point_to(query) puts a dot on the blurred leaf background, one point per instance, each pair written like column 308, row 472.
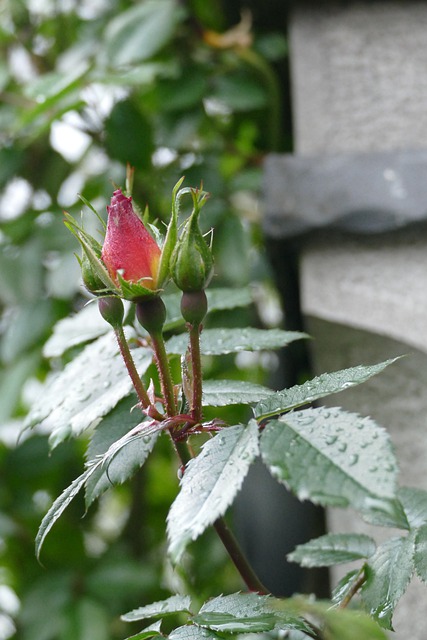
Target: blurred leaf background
column 194, row 88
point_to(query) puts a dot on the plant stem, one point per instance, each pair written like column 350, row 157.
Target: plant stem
column 230, row 543
column 196, row 409
column 239, row 559
column 357, row 584
column 166, row 381
column 130, row 366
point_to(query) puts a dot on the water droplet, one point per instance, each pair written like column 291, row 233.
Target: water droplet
column 106, row 384
column 354, row 458
column 347, row 385
column 331, row 439
column 373, row 468
column 342, row 447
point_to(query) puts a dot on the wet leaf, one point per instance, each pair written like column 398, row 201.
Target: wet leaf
column 171, row 605
column 220, row 393
column 333, row 548
column 86, row 390
column 420, row 555
column 217, row 342
column 81, row 327
column 237, row 613
column 414, row 503
column 210, row 484
column 332, row 458
column 192, row 632
column 389, row 571
column 319, row 387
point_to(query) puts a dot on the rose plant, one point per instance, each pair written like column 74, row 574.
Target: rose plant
column 328, row 456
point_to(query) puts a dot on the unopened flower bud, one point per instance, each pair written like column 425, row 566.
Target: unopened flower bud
column 151, row 314
column 194, row 306
column 130, row 253
column 112, row 310
column 192, row 261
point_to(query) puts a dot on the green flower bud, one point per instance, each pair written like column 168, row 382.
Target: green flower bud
column 192, row 261
column 151, row 314
column 194, row 306
column 112, row 310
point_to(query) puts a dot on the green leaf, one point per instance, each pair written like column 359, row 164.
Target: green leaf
column 86, row 390
column 414, row 503
column 83, row 326
column 216, row 342
column 420, row 555
column 142, row 31
column 167, row 607
column 60, row 504
column 319, row 387
column 335, row 624
column 210, row 484
column 344, row 624
column 332, row 458
column 237, row 613
column 192, row 632
column 220, row 393
column 218, row 300
column 333, row 548
column 388, row 574
column 152, row 631
column 120, row 440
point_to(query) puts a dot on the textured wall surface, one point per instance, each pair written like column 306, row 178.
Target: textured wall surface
column 359, row 74
column 359, row 86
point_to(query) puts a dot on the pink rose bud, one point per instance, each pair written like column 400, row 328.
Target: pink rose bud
column 128, row 247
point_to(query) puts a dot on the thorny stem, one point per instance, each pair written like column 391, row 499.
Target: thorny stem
column 164, row 372
column 196, row 409
column 130, row 366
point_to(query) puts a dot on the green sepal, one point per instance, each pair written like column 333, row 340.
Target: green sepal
column 134, row 291
column 92, row 250
column 170, row 238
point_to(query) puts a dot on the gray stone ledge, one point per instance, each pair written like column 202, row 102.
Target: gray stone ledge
column 361, row 193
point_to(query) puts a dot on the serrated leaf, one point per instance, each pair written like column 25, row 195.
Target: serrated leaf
column 332, row 458
column 237, row 613
column 149, row 632
column 216, row 342
column 389, row 571
column 86, row 390
column 120, row 440
column 60, row 504
column 192, row 632
column 319, row 387
column 210, row 484
column 220, row 393
column 219, row 299
column 420, row 554
column 335, row 623
column 83, row 326
column 333, row 548
column 159, row 609
column 140, row 32
column 414, row 503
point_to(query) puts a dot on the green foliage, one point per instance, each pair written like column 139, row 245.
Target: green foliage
column 210, row 484
column 217, row 342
